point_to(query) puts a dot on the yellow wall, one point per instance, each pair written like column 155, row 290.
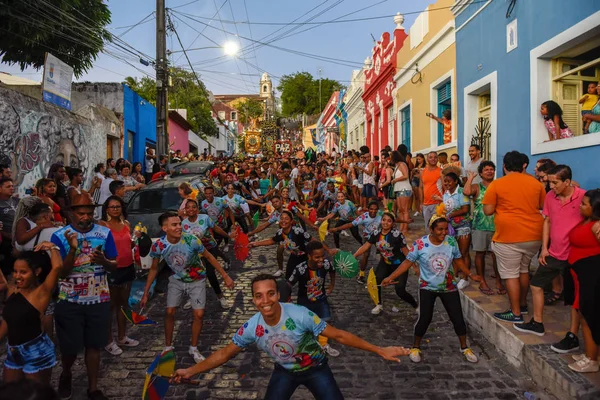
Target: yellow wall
column 306, row 137
column 420, row 93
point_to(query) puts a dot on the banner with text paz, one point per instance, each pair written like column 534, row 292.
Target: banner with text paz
column 56, row 86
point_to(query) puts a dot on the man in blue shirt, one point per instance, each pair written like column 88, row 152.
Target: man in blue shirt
column 288, row 333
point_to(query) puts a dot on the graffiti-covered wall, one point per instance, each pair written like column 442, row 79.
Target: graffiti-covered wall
column 34, row 135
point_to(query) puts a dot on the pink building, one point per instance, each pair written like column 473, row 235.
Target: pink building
column 178, row 132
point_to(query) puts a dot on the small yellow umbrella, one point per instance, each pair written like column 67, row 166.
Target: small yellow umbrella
column 372, row 286
column 323, row 230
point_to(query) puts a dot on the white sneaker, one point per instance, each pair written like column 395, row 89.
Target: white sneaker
column 415, row 355
column 187, row 305
column 416, row 214
column 114, row 349
column 128, row 342
column 377, row 310
column 226, row 248
column 278, row 273
column 577, row 357
column 469, row 355
column 225, row 304
column 345, row 233
column 194, row 352
column 330, row 351
column 585, row 365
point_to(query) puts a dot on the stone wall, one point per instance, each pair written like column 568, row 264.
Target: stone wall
column 34, row 135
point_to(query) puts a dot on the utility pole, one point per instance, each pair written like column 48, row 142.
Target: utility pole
column 162, row 81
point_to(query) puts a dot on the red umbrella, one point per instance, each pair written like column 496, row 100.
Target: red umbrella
column 241, row 247
column 313, row 216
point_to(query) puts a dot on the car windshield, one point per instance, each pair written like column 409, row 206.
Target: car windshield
column 187, row 168
column 158, row 200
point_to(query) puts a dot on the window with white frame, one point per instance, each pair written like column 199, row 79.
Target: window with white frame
column 390, row 112
column 444, row 101
column 222, row 115
column 561, row 70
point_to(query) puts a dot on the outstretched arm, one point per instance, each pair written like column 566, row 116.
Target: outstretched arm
column 349, row 339
column 363, row 249
column 216, row 359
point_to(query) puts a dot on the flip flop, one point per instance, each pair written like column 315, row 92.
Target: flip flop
column 501, row 291
column 487, row 292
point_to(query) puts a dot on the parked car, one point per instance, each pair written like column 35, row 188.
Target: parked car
column 157, row 197
column 191, row 168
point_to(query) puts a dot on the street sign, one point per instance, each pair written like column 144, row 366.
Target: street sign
column 56, row 86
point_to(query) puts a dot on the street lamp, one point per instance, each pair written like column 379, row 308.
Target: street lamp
column 231, row 48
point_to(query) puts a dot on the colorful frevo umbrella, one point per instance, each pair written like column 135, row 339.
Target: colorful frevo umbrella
column 255, row 219
column 158, row 375
column 372, row 286
column 241, row 248
column 345, row 264
column 135, row 318
column 313, row 216
column 323, row 230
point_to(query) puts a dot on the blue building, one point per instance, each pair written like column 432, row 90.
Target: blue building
column 511, row 56
column 139, row 125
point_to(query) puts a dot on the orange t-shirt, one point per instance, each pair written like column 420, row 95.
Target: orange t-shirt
column 518, row 199
column 430, row 185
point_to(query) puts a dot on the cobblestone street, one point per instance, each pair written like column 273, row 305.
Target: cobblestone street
column 443, row 374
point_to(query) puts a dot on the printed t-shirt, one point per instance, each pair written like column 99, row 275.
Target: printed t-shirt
column 311, row 282
column 482, row 222
column 201, row 228
column 369, row 224
column 8, row 210
column 182, row 257
column 237, row 204
column 295, row 241
column 389, row 246
column 87, row 283
column 454, row 201
column 264, row 185
column 431, row 185
column 291, row 343
column 215, row 210
column 518, row 198
column 563, row 218
column 435, row 263
column 346, row 211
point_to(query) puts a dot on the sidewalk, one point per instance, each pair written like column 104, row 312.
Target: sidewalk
column 529, row 352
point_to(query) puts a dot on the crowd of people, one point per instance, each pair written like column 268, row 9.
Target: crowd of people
column 68, row 263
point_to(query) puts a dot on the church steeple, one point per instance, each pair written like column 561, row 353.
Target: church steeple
column 266, row 86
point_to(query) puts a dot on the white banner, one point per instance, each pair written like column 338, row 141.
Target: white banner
column 57, row 82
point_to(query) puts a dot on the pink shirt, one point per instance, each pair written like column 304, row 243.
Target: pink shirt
column 564, row 217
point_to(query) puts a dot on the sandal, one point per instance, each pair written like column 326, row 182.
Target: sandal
column 552, row 298
column 501, row 291
column 487, row 292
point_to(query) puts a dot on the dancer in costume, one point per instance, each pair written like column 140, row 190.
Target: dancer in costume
column 391, row 244
column 436, row 254
column 312, row 294
column 288, row 333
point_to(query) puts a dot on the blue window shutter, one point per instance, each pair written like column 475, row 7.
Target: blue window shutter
column 405, row 115
column 444, row 100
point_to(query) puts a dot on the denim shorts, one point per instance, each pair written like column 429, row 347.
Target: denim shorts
column 404, row 193
column 33, row 356
column 319, row 307
column 462, row 231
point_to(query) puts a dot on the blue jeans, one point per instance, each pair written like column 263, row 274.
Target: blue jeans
column 320, row 307
column 318, row 380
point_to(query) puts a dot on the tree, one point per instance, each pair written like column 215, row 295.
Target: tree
column 250, row 110
column 300, row 93
column 186, row 92
column 72, row 30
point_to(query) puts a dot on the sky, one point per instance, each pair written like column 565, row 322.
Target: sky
column 199, row 25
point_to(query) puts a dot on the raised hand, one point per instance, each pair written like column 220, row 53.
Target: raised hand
column 71, row 238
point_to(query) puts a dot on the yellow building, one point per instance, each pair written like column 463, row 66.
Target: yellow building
column 425, row 81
